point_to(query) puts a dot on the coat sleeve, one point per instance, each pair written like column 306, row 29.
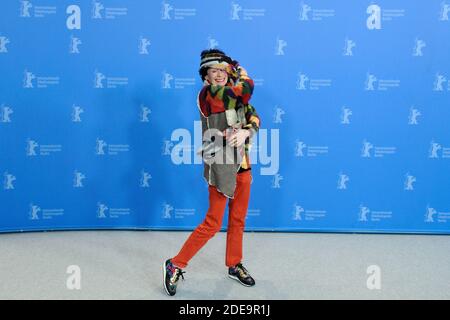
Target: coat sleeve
column 253, row 120
column 215, row 99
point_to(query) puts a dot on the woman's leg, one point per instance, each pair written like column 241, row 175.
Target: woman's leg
column 205, row 231
column 236, row 219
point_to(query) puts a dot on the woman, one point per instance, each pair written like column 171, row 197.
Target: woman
column 228, row 123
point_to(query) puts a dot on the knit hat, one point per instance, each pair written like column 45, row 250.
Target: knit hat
column 217, row 59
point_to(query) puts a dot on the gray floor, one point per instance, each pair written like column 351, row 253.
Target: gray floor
column 127, row 265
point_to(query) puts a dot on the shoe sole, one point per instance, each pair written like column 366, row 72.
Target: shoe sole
column 237, row 279
column 164, row 279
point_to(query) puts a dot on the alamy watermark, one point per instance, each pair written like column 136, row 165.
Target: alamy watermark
column 213, row 147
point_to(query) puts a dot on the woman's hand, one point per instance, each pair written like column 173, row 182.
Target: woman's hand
column 238, row 138
column 242, row 71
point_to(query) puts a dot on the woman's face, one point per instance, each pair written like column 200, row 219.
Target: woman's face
column 217, row 76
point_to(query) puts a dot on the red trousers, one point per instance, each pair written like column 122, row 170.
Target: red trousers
column 213, row 222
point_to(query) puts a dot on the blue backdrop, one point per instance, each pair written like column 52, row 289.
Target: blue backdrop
column 99, row 124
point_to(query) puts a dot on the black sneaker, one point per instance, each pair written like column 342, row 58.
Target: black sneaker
column 240, row 274
column 171, row 276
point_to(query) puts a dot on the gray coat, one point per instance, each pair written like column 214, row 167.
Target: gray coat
column 221, row 162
